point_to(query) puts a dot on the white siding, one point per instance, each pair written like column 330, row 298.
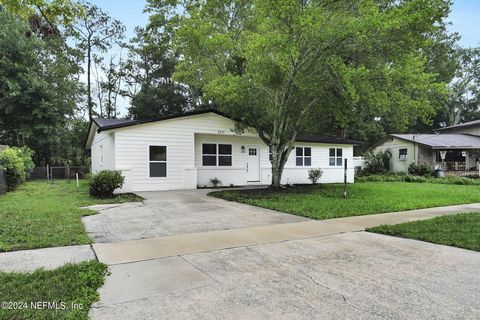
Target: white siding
column 395, row 144
column 132, row 149
column 183, row 138
column 103, row 146
column 320, row 158
column 236, row 174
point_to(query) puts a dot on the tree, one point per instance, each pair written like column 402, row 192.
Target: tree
column 280, row 65
column 148, row 75
column 463, row 103
column 55, row 12
column 38, row 91
column 96, row 32
column 109, row 82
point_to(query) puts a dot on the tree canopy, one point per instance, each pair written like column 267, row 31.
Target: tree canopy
column 284, row 67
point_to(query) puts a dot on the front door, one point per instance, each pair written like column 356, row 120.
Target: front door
column 253, row 163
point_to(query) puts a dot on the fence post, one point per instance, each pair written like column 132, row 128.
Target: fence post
column 345, row 180
column 48, row 177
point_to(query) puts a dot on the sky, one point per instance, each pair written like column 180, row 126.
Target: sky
column 464, row 19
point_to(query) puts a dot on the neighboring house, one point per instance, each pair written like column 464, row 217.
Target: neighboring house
column 3, row 147
column 186, row 151
column 455, row 148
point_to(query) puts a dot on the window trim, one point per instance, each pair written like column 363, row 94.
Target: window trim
column 166, row 161
column 303, row 156
column 336, row 157
column 217, row 155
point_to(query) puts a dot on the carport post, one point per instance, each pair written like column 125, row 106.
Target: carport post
column 345, row 180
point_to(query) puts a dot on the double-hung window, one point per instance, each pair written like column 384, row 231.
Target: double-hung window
column 303, row 156
column 158, row 161
column 216, row 155
column 335, row 157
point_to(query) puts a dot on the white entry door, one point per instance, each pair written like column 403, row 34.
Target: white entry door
column 253, row 163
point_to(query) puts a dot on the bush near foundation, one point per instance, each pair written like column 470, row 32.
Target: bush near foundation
column 103, row 183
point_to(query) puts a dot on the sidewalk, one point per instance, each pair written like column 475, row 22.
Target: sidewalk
column 167, row 246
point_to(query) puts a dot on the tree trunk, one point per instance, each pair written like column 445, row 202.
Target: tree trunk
column 89, row 85
column 280, row 155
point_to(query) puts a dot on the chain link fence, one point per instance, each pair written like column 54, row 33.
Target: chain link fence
column 59, row 173
column 3, row 181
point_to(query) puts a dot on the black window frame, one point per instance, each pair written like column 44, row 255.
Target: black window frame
column 155, row 162
column 302, row 159
column 403, row 152
column 335, row 160
column 221, row 157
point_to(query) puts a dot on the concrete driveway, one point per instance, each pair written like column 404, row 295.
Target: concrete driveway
column 205, row 258
column 165, row 213
column 356, row 275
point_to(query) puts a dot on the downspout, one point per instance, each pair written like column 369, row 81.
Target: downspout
column 414, row 153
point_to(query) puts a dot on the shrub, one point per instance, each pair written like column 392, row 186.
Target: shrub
column 376, row 163
column 215, row 182
column 18, row 164
column 314, row 175
column 421, row 169
column 103, row 183
column 403, row 177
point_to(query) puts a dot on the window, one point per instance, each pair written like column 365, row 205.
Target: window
column 402, row 154
column 335, row 157
column 252, row 151
column 158, row 161
column 101, row 155
column 225, row 155
column 303, row 156
column 216, row 154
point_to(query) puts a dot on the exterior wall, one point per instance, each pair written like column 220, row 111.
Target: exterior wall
column 426, row 155
column 395, row 144
column 236, row 174
column 320, row 157
column 178, row 135
column 103, row 145
column 183, row 138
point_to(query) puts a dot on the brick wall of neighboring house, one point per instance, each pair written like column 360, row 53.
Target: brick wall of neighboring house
column 426, row 155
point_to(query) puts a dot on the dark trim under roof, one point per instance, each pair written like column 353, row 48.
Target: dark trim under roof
column 108, row 124
column 318, row 138
column 128, row 123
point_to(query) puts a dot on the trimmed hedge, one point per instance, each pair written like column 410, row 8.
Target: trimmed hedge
column 103, row 183
column 403, row 177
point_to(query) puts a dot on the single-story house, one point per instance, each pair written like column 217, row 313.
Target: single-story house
column 186, row 151
column 454, row 152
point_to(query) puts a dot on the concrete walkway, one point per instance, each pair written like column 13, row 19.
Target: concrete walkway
column 46, row 258
column 181, row 244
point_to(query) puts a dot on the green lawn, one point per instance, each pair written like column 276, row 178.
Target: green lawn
column 72, row 287
column 460, row 230
column 325, row 202
column 39, row 214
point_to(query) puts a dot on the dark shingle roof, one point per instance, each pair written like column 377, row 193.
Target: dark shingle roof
column 461, row 125
column 444, row 140
column 108, row 124
column 102, row 123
